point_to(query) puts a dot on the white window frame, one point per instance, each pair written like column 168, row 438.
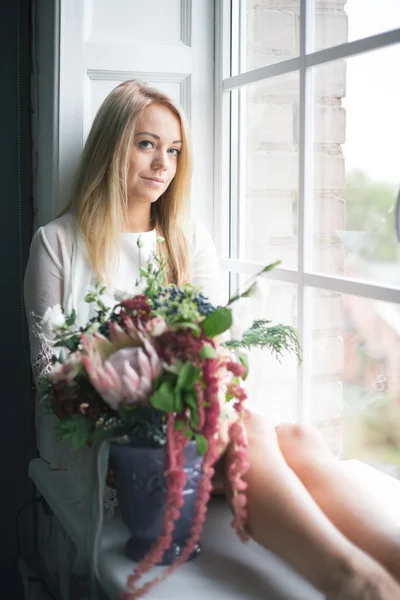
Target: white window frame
column 229, row 79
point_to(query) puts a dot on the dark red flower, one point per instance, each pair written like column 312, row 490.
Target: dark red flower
column 138, row 308
column 182, row 345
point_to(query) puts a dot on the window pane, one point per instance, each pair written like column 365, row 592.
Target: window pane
column 354, row 20
column 356, row 375
column 269, row 33
column 356, row 167
column 268, row 172
column 271, row 385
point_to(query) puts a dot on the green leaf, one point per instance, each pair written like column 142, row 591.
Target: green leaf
column 71, row 319
column 195, row 328
column 277, row 338
column 179, row 425
column 168, row 377
column 188, row 375
column 208, row 351
column 217, row 322
column 71, row 343
column 178, row 405
column 188, row 434
column 76, row 428
column 201, row 443
column 191, row 402
column 163, row 399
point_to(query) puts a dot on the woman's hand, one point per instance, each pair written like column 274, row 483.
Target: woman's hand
column 228, row 415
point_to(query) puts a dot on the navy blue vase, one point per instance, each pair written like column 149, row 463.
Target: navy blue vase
column 142, row 493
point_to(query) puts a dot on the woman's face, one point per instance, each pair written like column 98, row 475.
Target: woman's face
column 155, row 153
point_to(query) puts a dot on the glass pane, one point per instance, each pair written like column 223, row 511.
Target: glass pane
column 268, row 33
column 268, row 172
column 353, row 20
column 272, row 383
column 356, row 376
column 356, row 167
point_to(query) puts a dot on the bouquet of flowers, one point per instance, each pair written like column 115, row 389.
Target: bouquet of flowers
column 159, row 367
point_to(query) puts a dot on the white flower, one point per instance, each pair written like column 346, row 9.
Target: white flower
column 93, row 327
column 135, row 290
column 156, row 326
column 242, row 317
column 53, row 319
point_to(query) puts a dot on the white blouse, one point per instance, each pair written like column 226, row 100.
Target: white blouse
column 59, row 272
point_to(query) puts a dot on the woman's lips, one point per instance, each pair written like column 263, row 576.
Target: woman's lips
column 154, row 181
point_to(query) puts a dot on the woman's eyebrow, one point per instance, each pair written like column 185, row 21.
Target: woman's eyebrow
column 154, row 135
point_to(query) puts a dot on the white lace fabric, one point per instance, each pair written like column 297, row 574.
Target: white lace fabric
column 41, row 349
column 59, row 272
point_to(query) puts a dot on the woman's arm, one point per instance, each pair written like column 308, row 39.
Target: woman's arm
column 43, row 287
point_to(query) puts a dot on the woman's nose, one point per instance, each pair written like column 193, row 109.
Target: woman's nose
column 160, row 160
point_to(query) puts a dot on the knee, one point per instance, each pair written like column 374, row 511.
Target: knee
column 301, row 445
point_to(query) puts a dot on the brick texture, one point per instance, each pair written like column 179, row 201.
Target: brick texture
column 271, row 168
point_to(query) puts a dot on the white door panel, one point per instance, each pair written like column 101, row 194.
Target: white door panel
column 157, row 21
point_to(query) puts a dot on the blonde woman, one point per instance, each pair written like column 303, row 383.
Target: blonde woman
column 134, row 179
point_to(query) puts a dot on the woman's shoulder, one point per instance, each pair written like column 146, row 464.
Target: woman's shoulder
column 54, row 239
column 62, row 226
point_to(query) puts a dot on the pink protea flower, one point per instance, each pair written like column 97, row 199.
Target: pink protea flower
column 120, row 338
column 96, row 343
column 126, row 376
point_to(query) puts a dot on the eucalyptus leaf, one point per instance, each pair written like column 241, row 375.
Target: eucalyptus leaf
column 208, row 351
column 188, row 375
column 201, row 443
column 71, row 319
column 163, row 398
column 178, row 405
column 191, row 400
column 217, row 322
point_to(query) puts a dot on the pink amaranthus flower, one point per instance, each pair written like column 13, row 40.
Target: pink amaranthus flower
column 176, row 484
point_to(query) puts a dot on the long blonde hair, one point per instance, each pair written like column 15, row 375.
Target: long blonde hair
column 99, row 193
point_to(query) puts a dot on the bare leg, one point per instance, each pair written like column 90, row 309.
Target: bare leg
column 347, row 504
column 284, row 518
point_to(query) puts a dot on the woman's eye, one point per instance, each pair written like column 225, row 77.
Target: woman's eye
column 174, row 151
column 146, row 144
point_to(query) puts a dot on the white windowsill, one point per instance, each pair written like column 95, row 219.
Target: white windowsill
column 226, row 567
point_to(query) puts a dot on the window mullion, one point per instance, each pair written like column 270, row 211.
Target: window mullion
column 304, row 215
column 313, row 59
